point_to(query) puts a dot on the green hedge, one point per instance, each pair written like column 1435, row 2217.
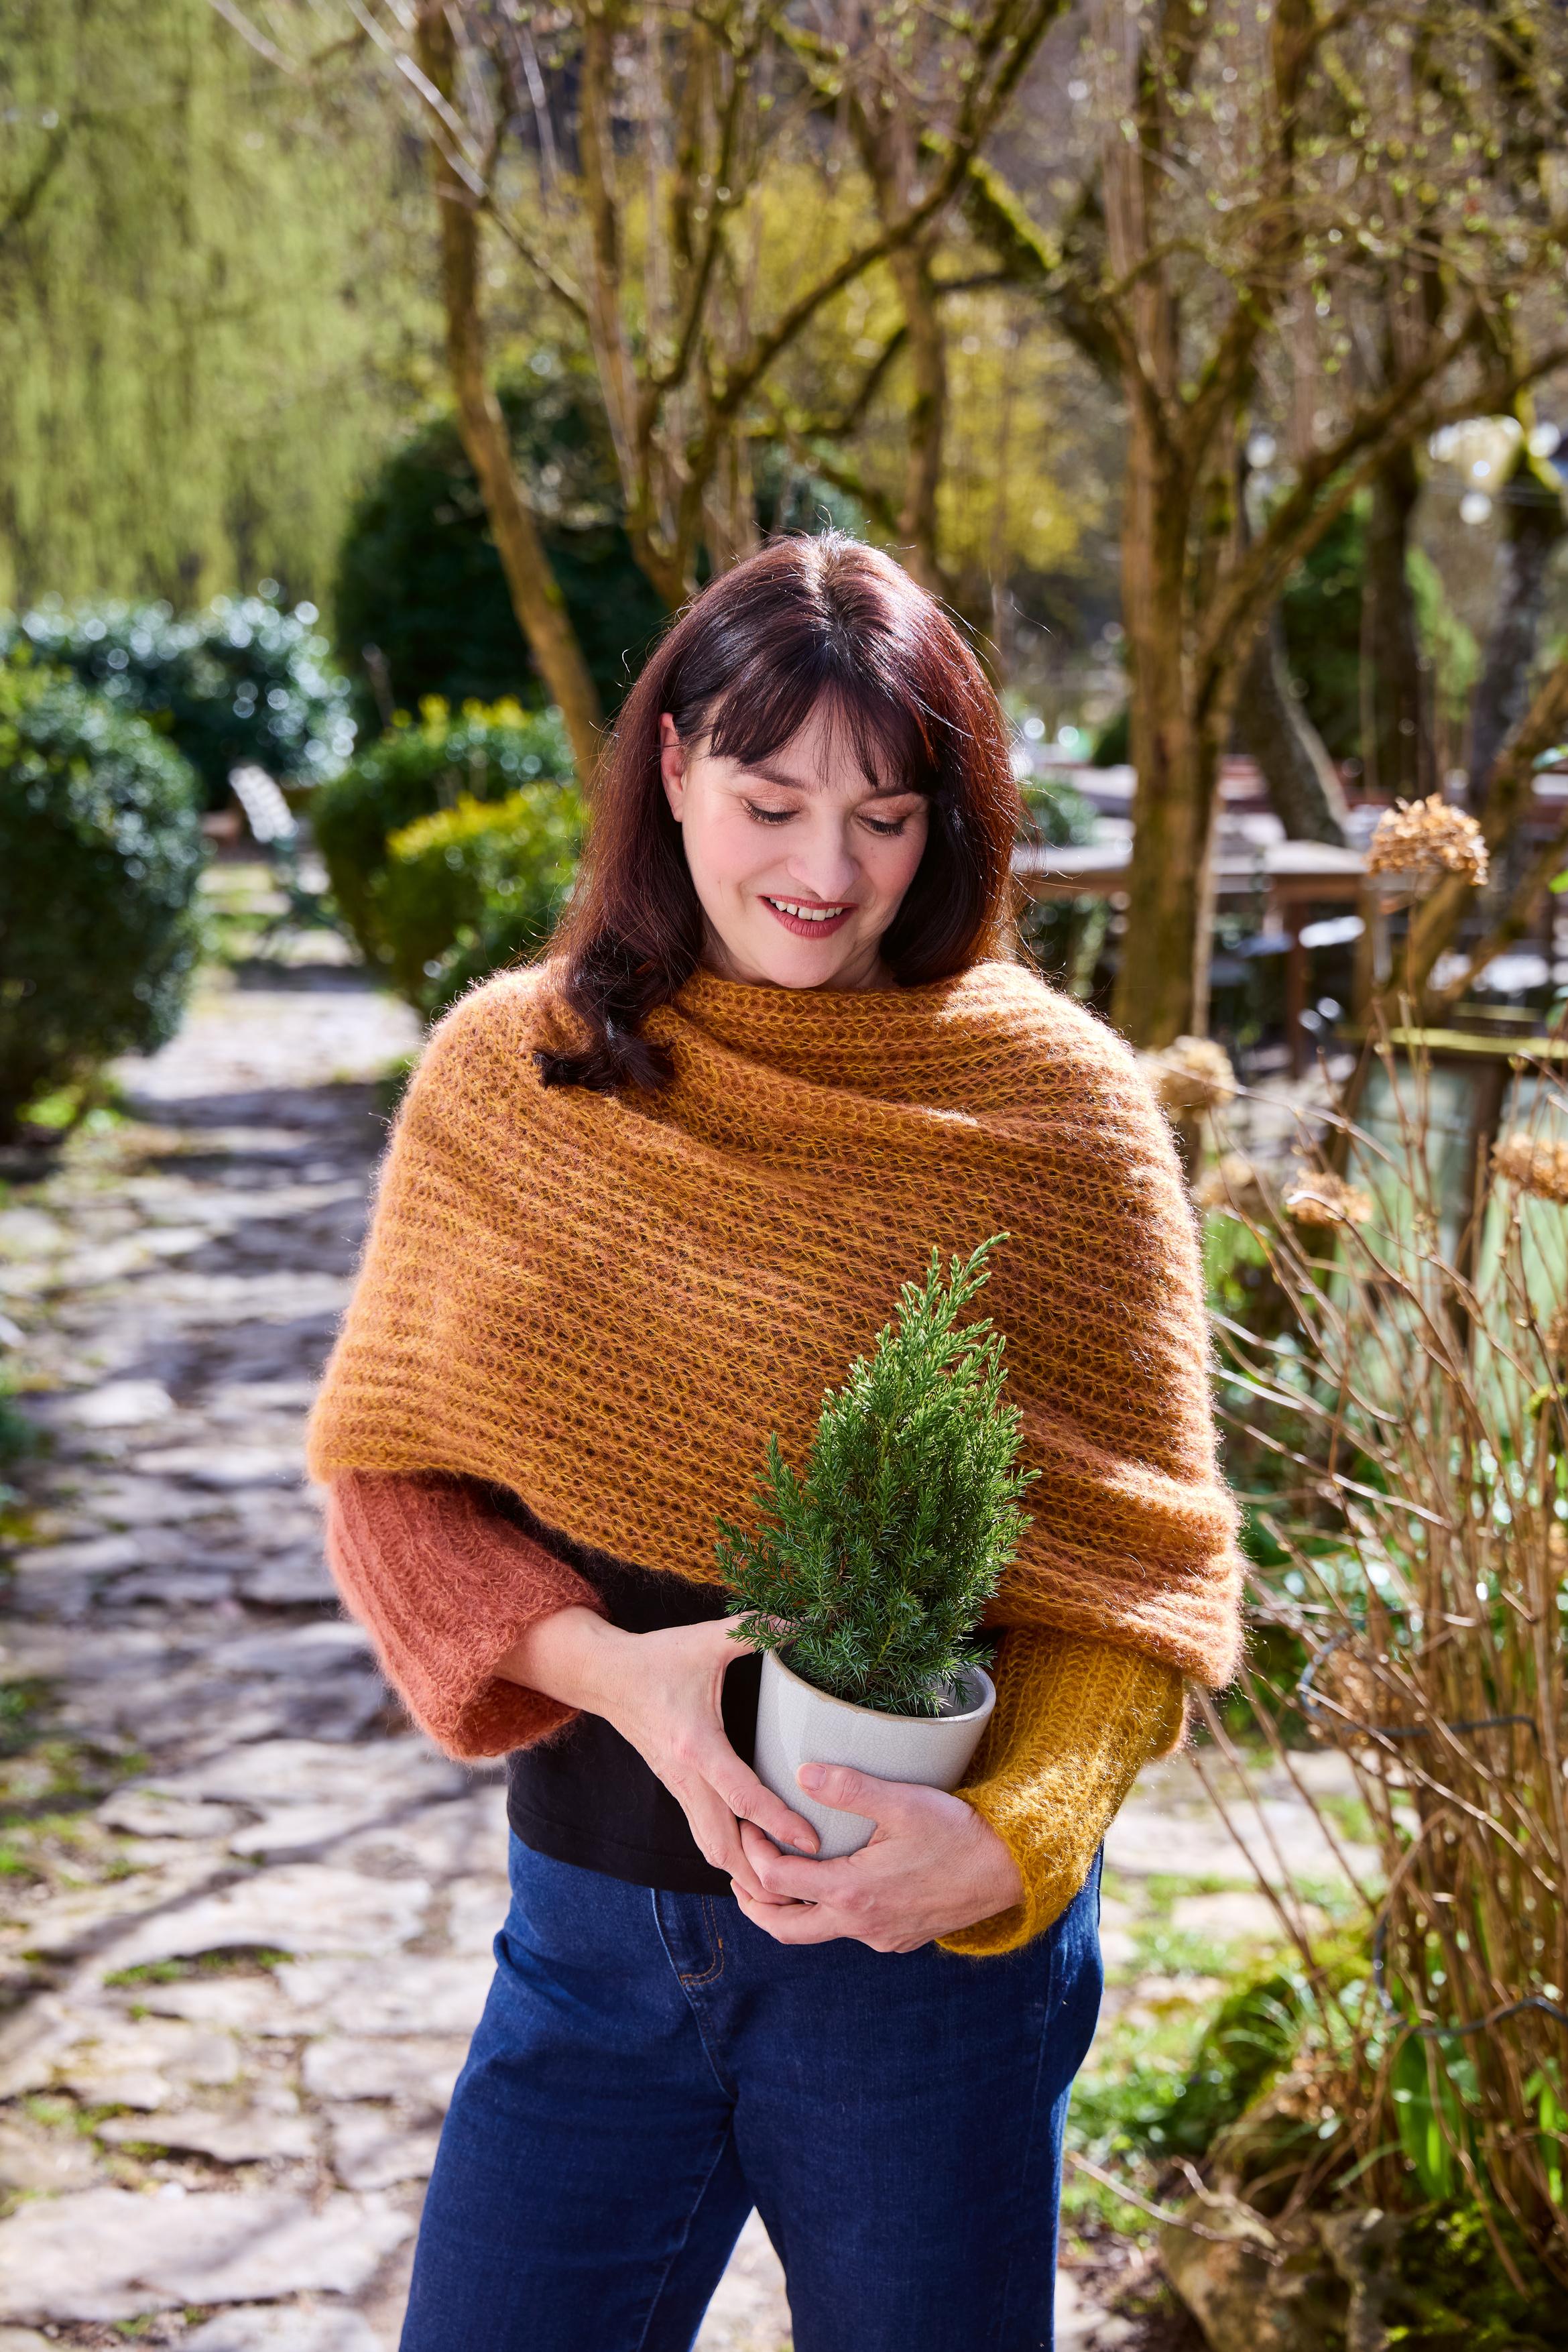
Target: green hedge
column 100, row 849
column 419, row 577
column 241, row 683
column 418, row 768
column 477, row 887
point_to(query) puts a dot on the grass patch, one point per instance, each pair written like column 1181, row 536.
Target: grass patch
column 58, row 2114
column 1137, row 2072
column 21, row 1703
column 1164, row 2085
column 1348, row 1817
column 233, row 1960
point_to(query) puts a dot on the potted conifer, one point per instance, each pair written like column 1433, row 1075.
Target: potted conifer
column 865, row 1579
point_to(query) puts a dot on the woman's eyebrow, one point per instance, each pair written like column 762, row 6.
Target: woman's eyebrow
column 879, row 790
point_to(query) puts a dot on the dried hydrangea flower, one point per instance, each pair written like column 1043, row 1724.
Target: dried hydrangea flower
column 1557, row 1334
column 1233, row 1183
column 1533, row 1162
column 1192, row 1074
column 1417, row 842
column 1326, row 1200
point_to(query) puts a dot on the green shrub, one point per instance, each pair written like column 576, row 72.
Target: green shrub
column 475, row 886
column 420, row 594
column 243, row 683
column 100, row 848
column 414, row 771
column 872, row 1569
column 419, row 579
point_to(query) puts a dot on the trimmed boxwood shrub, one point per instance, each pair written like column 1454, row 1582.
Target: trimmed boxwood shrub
column 419, row 579
column 477, row 887
column 243, row 683
column 100, row 848
column 415, row 769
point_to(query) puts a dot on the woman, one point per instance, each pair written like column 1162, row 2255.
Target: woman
column 644, row 1202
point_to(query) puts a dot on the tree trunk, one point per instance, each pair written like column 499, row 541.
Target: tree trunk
column 927, row 420
column 1303, row 783
column 535, row 597
column 1532, row 523
column 1161, row 983
column 1436, row 922
column 1396, row 745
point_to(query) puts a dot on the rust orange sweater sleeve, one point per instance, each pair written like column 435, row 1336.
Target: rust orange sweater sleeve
column 1076, row 1720
column 444, row 1584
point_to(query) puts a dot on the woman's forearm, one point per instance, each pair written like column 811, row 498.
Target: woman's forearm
column 574, row 1656
column 445, row 1584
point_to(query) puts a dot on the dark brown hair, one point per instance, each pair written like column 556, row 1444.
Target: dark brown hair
column 806, row 621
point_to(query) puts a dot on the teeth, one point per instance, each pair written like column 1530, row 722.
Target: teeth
column 808, row 914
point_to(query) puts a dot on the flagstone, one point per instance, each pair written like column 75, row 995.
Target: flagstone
column 418, row 1993
column 299, row 1908
column 420, row 2069
column 143, row 2063
column 247, row 2136
column 371, row 2150
column 112, row 2255
column 281, row 2327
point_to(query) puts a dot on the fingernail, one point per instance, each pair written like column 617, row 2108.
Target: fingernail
column 812, row 1775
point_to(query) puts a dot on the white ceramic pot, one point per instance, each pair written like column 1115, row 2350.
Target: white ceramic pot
column 797, row 1725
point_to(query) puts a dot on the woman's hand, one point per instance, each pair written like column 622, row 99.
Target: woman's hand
column 932, row 1865
column 662, row 1693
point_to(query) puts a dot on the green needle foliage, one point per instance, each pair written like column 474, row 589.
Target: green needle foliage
column 872, row 1569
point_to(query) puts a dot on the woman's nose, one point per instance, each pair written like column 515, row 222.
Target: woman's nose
column 824, row 864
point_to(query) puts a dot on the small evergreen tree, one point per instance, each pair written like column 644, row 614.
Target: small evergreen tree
column 872, row 1570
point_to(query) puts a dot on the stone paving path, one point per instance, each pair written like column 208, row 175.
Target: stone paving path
column 247, row 1929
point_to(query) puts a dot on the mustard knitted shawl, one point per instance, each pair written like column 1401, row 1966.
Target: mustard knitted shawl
column 606, row 1303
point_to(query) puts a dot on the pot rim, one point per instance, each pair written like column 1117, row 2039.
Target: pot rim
column 985, row 1701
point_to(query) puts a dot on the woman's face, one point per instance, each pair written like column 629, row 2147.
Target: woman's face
column 800, row 862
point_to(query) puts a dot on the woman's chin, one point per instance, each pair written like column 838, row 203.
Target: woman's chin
column 786, row 961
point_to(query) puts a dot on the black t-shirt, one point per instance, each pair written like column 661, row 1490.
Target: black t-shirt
column 586, row 1796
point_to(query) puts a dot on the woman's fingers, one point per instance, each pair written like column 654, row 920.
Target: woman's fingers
column 791, row 1879
column 746, row 1796
column 749, row 1800
column 761, row 1855
column 789, row 1923
column 887, row 1802
column 719, row 1838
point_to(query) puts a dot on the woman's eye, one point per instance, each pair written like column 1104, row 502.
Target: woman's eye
column 767, row 815
column 891, row 827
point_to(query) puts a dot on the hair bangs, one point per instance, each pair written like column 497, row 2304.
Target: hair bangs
column 761, row 716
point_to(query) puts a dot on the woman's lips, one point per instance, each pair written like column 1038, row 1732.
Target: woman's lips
column 807, row 927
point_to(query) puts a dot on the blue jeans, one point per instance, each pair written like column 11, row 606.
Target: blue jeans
column 650, row 2066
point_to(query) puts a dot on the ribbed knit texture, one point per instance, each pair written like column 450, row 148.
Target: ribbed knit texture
column 607, row 1302
column 1075, row 1722
column 445, row 1586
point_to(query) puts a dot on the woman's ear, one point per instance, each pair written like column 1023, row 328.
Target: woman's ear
column 672, row 765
